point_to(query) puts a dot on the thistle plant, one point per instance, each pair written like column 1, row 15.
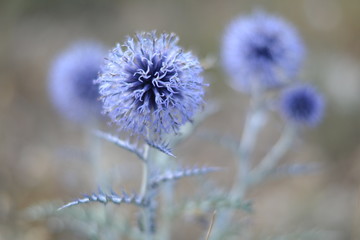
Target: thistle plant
column 152, row 90
column 261, row 53
column 150, row 87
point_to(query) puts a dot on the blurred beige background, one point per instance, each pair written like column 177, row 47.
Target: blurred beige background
column 40, row 153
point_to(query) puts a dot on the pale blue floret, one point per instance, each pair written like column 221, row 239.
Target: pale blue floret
column 261, row 51
column 302, row 105
column 149, row 86
column 71, row 78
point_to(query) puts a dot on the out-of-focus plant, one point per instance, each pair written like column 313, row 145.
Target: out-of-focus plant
column 263, row 53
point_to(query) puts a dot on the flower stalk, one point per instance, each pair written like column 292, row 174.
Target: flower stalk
column 146, row 192
column 274, row 155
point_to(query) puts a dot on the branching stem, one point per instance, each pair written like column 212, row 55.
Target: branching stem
column 274, row 155
column 255, row 120
column 253, row 123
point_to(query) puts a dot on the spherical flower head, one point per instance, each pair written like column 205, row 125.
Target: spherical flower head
column 261, row 51
column 150, row 86
column 302, row 105
column 71, row 81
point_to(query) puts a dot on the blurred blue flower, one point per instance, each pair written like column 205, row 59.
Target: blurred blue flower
column 150, row 86
column 303, row 105
column 71, row 81
column 261, row 51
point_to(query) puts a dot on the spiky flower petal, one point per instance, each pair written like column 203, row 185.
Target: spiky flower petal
column 71, row 77
column 150, row 86
column 303, row 105
column 261, row 51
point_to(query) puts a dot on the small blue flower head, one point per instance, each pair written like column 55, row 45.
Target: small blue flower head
column 302, row 105
column 261, row 51
column 150, row 86
column 71, row 81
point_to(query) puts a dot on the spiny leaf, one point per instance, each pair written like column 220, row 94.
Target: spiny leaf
column 162, row 146
column 108, row 198
column 172, row 175
column 119, row 142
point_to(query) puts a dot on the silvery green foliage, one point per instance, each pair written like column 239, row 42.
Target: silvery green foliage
column 261, row 51
column 150, row 86
column 84, row 221
column 71, row 77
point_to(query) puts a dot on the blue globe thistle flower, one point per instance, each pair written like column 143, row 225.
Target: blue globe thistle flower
column 303, row 105
column 71, row 81
column 150, row 86
column 261, row 51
